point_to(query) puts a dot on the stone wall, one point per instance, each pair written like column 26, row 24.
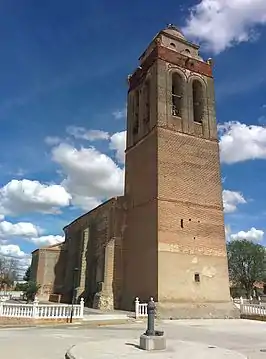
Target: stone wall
column 94, row 247
column 48, row 266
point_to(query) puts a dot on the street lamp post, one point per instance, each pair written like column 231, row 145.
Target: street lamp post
column 151, row 316
column 74, row 289
column 152, row 339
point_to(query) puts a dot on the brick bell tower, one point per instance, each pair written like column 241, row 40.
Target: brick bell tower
column 174, row 246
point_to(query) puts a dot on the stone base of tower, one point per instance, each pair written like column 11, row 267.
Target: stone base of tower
column 224, row 310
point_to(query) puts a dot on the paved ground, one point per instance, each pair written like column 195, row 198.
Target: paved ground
column 175, row 349
column 247, row 337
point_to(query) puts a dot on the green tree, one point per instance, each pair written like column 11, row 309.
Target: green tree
column 8, row 271
column 31, row 290
column 246, row 263
column 27, row 274
column 21, row 287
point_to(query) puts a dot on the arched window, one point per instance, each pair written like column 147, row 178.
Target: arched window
column 197, row 90
column 136, row 114
column 177, row 94
column 146, row 116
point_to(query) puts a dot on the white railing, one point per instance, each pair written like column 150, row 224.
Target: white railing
column 141, row 309
column 42, row 311
column 242, row 300
column 253, row 309
column 246, row 308
column 11, row 294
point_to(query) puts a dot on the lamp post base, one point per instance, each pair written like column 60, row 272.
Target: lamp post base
column 153, row 342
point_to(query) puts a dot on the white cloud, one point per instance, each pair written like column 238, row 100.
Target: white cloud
column 24, row 196
column 12, row 251
column 118, row 143
column 89, row 135
column 253, row 234
column 52, row 140
column 89, row 174
column 231, row 200
column 47, row 240
column 119, row 114
column 20, row 229
column 220, row 24
column 85, row 202
column 240, row 142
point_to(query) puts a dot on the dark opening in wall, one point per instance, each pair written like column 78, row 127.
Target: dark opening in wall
column 197, row 277
column 198, row 104
column 189, row 219
column 182, row 223
column 177, row 94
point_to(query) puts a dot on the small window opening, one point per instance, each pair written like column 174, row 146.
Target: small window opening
column 189, row 219
column 197, row 277
column 182, row 223
column 187, row 51
column 197, row 90
column 172, row 44
column 177, row 95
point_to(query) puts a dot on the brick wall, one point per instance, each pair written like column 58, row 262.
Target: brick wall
column 34, row 266
column 140, row 240
column 191, row 239
column 48, row 269
column 93, row 244
column 188, row 169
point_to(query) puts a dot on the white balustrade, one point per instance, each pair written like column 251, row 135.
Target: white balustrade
column 141, row 309
column 11, row 294
column 253, row 309
column 41, row 311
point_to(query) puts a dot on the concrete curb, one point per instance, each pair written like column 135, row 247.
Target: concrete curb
column 87, row 323
column 121, row 348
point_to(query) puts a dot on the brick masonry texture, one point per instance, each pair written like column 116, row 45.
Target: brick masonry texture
column 165, row 237
column 48, row 269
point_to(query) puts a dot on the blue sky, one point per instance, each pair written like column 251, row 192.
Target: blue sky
column 63, row 74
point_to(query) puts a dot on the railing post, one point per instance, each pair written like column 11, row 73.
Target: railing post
column 241, row 300
column 136, row 307
column 35, row 311
column 82, row 308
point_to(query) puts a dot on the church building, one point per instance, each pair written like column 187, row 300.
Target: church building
column 165, row 237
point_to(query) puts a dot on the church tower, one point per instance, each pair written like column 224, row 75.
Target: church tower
column 174, row 245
